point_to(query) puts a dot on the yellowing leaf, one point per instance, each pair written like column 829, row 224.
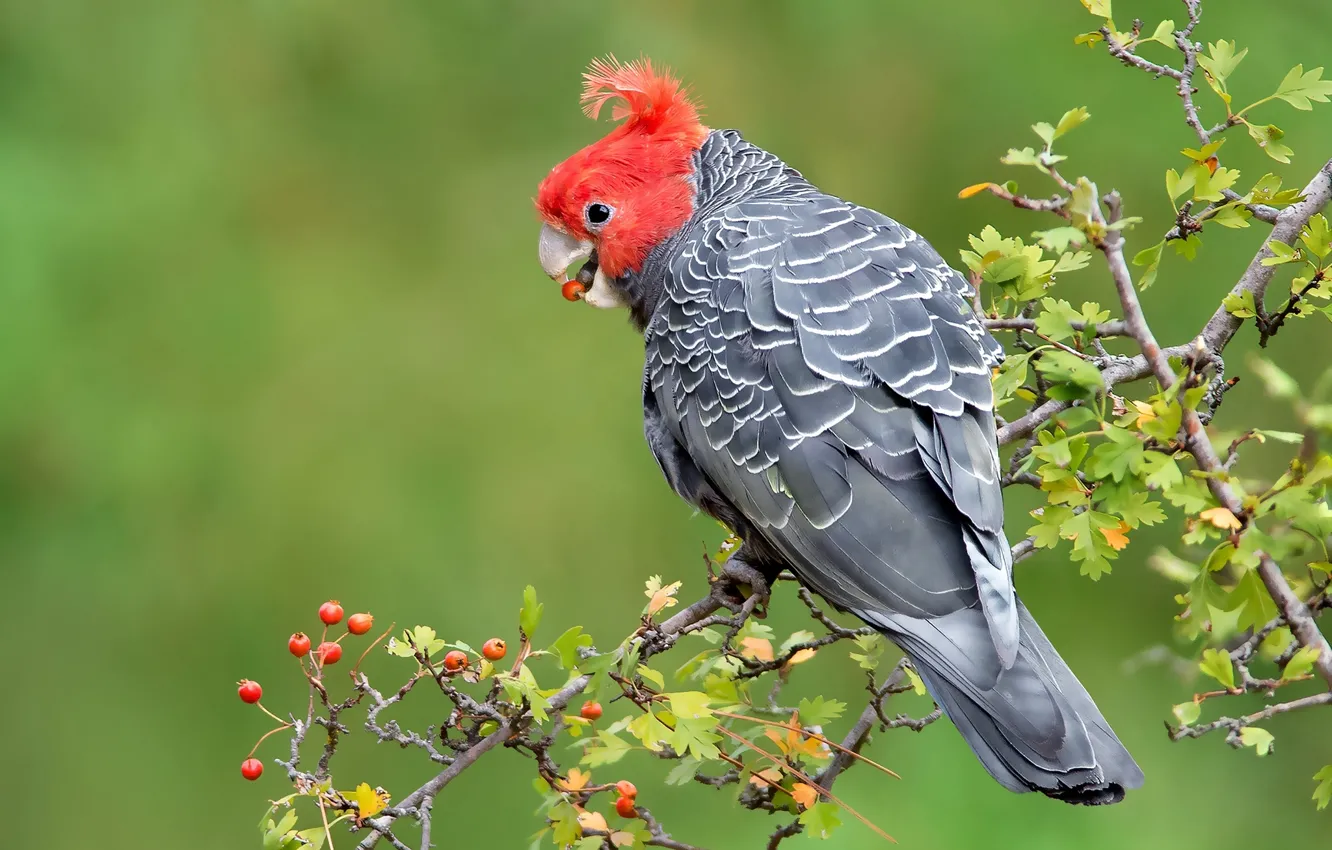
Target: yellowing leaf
column 1116, row 536
column 660, row 596
column 369, row 801
column 760, row 649
column 800, row 657
column 1145, row 412
column 1221, row 518
column 620, row 838
column 593, row 820
column 804, row 794
column 1099, row 8
column 771, row 776
column 577, row 780
column 976, row 189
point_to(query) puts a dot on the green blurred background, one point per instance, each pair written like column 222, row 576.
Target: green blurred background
column 273, row 330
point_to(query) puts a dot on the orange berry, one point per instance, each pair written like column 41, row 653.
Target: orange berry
column 250, row 691
column 624, row 807
column 591, row 710
column 329, row 652
column 252, row 769
column 298, row 644
column 626, row 789
column 573, row 290
column 455, row 660
column 330, row 612
column 359, row 624
column 494, row 649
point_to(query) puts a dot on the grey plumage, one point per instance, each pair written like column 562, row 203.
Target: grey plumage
column 815, row 378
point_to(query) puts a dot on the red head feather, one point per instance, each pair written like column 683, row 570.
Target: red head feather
column 640, row 168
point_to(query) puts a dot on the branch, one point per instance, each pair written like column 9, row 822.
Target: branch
column 1103, row 329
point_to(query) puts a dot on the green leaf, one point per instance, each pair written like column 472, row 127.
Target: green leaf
column 1240, row 305
column 1012, row 375
column 1061, row 367
column 1233, row 216
column 1025, row 156
column 1045, row 131
column 1117, row 456
column 1187, row 247
column 1317, row 236
column 1301, row 663
column 690, row 704
column 1178, row 185
column 1322, row 795
column 917, row 684
column 1292, row 437
column 1187, row 712
column 1252, row 600
column 1159, row 470
column 530, row 615
column 821, row 818
column 652, row 676
column 1216, row 663
column 606, row 748
column 650, row 731
column 1298, row 88
column 871, row 647
column 1136, row 509
column 795, row 639
column 1269, row 139
column 1053, row 322
column 1074, row 118
column 819, row 711
column 1151, row 258
column 1060, row 239
column 1210, row 186
column 1221, row 61
column 566, row 647
column 1259, row 739
column 1163, row 34
column 564, row 823
column 1281, row 253
column 683, row 773
column 1275, row 380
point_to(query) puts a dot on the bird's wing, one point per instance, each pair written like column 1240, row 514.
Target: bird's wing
column 821, row 365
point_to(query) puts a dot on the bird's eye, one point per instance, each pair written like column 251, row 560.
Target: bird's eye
column 597, row 214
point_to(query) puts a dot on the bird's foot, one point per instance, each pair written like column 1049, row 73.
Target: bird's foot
column 735, row 579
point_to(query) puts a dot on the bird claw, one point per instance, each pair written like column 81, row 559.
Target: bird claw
column 737, row 575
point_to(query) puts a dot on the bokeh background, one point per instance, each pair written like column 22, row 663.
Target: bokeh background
column 273, row 331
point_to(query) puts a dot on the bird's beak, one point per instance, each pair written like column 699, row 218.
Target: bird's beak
column 559, row 250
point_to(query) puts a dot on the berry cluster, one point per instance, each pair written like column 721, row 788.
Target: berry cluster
column 312, row 664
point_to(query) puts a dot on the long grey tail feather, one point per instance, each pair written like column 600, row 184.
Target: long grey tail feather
column 1033, row 726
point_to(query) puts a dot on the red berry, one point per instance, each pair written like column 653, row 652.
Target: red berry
column 250, row 691
column 298, row 644
column 494, row 649
column 252, row 769
column 626, row 789
column 572, row 290
column 591, row 710
column 359, row 624
column 329, row 652
column 330, row 612
column 455, row 660
column 624, row 807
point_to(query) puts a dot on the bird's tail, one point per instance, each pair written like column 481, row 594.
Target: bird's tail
column 1034, row 727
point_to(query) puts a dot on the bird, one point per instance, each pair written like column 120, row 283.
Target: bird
column 815, row 378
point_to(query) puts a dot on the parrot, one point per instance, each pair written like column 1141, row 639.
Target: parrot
column 816, row 379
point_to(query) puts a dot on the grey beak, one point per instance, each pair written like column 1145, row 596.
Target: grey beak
column 558, row 250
